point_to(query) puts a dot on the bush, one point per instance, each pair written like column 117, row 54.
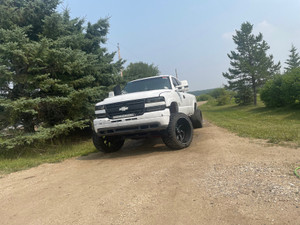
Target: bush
column 217, row 92
column 244, row 96
column 204, row 97
column 222, row 96
column 223, row 99
column 271, row 94
column 283, row 90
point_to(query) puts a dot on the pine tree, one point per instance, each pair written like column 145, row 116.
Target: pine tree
column 293, row 61
column 52, row 70
column 250, row 64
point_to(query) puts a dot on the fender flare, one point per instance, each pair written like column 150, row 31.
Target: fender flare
column 174, row 107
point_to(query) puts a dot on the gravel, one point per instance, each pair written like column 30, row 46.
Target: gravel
column 262, row 182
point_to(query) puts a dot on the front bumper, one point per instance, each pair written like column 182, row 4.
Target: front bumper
column 148, row 122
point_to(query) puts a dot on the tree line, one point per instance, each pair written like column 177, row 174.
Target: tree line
column 53, row 69
column 253, row 71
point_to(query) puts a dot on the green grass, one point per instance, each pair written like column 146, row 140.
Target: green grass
column 30, row 157
column 277, row 125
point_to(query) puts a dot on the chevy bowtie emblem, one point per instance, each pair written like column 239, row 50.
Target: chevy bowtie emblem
column 123, row 109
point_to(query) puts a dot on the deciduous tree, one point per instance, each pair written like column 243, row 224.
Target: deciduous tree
column 139, row 70
column 282, row 90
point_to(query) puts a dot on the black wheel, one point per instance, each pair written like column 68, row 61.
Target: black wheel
column 179, row 133
column 196, row 119
column 108, row 144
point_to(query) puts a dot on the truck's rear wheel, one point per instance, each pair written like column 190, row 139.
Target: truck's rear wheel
column 108, row 144
column 179, row 133
column 196, row 119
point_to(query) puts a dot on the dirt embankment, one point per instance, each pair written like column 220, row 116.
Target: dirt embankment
column 219, row 179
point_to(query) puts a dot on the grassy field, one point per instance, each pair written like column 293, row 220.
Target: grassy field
column 277, row 125
column 30, row 157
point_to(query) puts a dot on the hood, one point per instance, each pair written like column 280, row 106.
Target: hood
column 133, row 96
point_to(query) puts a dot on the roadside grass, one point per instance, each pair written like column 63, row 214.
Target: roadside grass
column 31, row 157
column 276, row 125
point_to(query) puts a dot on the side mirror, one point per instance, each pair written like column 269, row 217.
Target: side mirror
column 117, row 90
column 183, row 87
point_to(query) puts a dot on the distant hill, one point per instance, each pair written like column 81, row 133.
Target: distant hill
column 197, row 93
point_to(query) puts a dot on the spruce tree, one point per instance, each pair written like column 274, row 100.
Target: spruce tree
column 293, row 61
column 53, row 70
column 251, row 67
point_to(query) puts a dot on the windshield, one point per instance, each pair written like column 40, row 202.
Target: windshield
column 155, row 83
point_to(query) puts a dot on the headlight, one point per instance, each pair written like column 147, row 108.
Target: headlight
column 155, row 99
column 100, row 111
column 99, row 107
column 155, row 104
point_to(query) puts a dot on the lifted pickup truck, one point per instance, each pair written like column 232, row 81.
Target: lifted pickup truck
column 153, row 106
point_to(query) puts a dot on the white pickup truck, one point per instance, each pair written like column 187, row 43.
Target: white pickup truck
column 153, row 106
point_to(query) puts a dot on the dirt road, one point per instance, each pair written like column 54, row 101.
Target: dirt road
column 219, row 179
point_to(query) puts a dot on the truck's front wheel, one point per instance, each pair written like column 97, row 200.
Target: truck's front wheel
column 108, row 144
column 179, row 133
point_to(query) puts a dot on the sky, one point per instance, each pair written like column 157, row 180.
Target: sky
column 191, row 36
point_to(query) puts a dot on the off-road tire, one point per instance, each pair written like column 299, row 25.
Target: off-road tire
column 179, row 133
column 108, row 144
column 196, row 119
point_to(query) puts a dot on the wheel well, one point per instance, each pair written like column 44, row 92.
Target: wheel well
column 174, row 107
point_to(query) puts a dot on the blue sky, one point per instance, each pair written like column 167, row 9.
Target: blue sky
column 192, row 36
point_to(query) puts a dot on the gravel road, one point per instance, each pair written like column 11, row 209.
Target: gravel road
column 219, row 179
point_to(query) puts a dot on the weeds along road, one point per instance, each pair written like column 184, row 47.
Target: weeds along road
column 219, row 179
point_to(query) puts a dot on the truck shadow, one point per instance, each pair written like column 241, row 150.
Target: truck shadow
column 132, row 148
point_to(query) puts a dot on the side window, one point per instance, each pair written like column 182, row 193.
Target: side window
column 175, row 82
